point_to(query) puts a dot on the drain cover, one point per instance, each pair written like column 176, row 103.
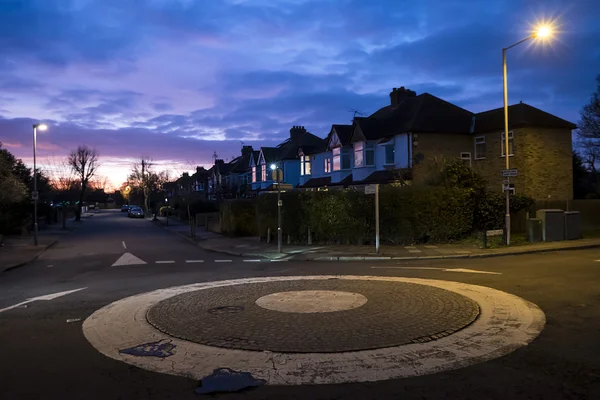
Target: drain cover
column 226, row 310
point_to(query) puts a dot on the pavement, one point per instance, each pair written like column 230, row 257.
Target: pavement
column 252, row 247
column 93, row 279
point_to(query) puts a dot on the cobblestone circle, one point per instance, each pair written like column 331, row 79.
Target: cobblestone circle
column 396, row 313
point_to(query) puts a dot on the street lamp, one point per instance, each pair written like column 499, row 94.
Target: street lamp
column 541, row 32
column 279, row 204
column 35, row 194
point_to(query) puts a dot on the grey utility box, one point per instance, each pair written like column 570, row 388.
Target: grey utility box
column 572, row 225
column 534, row 230
column 553, row 224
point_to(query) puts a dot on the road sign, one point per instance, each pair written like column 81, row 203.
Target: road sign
column 280, row 203
column 495, row 232
column 35, row 195
column 370, row 189
column 510, row 172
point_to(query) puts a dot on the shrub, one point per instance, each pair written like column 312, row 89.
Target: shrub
column 238, row 218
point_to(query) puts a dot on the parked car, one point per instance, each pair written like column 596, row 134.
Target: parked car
column 135, row 212
column 124, row 208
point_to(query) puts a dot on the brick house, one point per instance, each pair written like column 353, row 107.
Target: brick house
column 401, row 141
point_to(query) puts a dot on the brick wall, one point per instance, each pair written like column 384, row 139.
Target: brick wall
column 542, row 156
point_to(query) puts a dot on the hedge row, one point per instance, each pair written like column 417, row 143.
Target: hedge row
column 413, row 214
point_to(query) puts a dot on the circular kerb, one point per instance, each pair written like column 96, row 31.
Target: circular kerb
column 311, row 301
column 505, row 323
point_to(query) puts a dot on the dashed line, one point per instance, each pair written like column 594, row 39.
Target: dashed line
column 50, row 266
column 223, row 261
column 165, row 262
column 252, row 260
column 194, row 261
column 124, row 245
column 414, row 251
column 279, row 260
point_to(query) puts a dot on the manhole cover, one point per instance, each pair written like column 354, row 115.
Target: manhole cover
column 226, row 310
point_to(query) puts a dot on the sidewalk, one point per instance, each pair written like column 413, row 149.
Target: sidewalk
column 17, row 251
column 251, row 247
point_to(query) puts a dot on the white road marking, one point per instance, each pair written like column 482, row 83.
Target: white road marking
column 414, row 251
column 252, row 260
column 506, row 322
column 45, row 298
column 280, row 260
column 194, row 261
column 409, row 247
column 165, row 262
column 471, row 271
column 223, row 261
column 128, row 259
column 50, row 266
column 430, row 247
column 124, row 245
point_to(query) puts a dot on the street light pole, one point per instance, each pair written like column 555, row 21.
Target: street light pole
column 541, row 32
column 276, row 171
column 35, row 193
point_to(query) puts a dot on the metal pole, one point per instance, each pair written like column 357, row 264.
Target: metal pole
column 278, row 212
column 377, row 219
column 35, row 199
column 506, row 148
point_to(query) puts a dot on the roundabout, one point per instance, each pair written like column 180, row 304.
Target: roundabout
column 314, row 329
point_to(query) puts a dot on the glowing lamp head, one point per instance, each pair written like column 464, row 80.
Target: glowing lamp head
column 41, row 127
column 273, row 167
column 543, row 32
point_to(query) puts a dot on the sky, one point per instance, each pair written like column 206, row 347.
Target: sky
column 178, row 80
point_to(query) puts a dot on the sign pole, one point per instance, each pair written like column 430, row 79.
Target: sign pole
column 377, row 219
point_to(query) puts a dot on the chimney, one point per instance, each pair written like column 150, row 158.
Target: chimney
column 200, row 170
column 246, row 150
column 397, row 96
column 296, row 132
column 186, row 174
column 219, row 162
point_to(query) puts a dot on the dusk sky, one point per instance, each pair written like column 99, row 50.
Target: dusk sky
column 176, row 80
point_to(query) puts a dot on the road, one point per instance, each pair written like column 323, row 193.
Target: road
column 45, row 357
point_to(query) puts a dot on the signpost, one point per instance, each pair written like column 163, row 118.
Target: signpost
column 510, row 173
column 374, row 189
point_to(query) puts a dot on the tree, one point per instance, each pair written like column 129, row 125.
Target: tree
column 84, row 163
column 13, row 190
column 589, row 125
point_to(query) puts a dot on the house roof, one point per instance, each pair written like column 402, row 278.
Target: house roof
column 316, row 182
column 271, row 154
column 385, row 176
column 344, row 133
column 519, row 115
column 314, row 148
column 422, row 113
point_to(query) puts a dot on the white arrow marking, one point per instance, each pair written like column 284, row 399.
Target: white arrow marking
column 128, row 259
column 46, row 297
column 471, row 271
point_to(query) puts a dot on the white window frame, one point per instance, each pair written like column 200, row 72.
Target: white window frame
column 305, row 162
column 479, row 140
column 511, row 143
column 254, row 174
column 327, row 165
column 369, row 148
column 385, row 147
column 337, row 156
column 359, row 149
column 263, row 172
column 345, row 153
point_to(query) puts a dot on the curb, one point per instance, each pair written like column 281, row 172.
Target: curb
column 32, row 259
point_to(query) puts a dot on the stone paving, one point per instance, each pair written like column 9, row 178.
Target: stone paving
column 394, row 314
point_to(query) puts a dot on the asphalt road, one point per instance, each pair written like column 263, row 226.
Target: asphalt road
column 44, row 357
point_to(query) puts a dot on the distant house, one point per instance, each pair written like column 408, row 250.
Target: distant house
column 399, row 142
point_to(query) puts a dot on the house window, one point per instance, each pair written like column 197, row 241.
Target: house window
column 370, row 154
column 263, row 170
column 327, row 165
column 337, row 158
column 346, row 159
column 466, row 157
column 304, row 165
column 254, row 174
column 510, row 144
column 480, row 147
column 389, row 154
column 358, row 154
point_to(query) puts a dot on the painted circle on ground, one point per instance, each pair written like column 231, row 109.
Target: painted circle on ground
column 311, row 301
column 505, row 323
column 397, row 313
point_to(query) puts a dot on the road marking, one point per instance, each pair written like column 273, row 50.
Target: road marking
column 194, row 261
column 430, row 247
column 252, row 260
column 414, row 251
column 45, row 298
column 223, row 261
column 50, row 266
column 466, row 270
column 165, row 262
column 280, row 260
column 506, row 323
column 128, row 259
column 124, row 245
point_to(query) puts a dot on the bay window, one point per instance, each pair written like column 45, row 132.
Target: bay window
column 254, row 174
column 370, row 154
column 305, row 165
column 389, row 154
column 263, row 170
column 358, row 154
column 327, row 165
column 337, row 158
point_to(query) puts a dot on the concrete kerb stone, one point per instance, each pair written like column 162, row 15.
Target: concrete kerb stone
column 32, row 259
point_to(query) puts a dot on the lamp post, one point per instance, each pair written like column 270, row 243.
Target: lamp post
column 277, row 171
column 540, row 33
column 35, row 194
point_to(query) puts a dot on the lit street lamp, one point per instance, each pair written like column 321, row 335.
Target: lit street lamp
column 35, row 194
column 542, row 32
column 277, row 172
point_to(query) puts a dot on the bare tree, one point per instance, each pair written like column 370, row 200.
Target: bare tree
column 589, row 125
column 84, row 163
column 141, row 178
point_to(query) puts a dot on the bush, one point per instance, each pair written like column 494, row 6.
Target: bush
column 166, row 209
column 238, row 218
